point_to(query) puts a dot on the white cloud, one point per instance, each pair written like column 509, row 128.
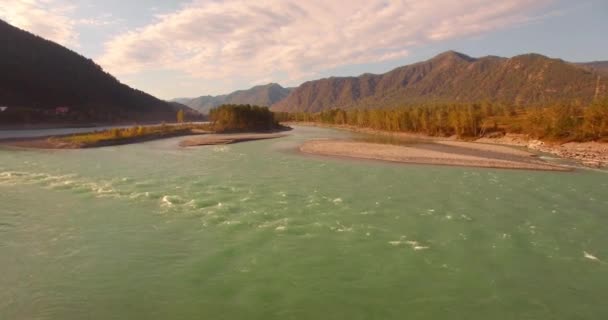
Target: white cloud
column 256, row 39
column 45, row 18
column 95, row 22
column 51, row 19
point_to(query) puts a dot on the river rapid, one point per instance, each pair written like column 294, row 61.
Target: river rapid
column 258, row 231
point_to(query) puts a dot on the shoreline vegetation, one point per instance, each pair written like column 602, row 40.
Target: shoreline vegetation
column 451, row 142
column 111, row 137
column 568, row 131
column 227, row 119
column 560, row 123
column 69, row 125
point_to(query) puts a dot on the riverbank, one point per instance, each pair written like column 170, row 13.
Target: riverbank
column 589, row 154
column 67, row 142
column 216, row 139
column 138, row 134
column 72, row 125
column 461, row 154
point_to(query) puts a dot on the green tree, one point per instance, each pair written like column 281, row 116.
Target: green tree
column 242, row 118
column 564, row 122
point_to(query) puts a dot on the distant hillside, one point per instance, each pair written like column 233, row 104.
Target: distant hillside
column 265, row 95
column 453, row 77
column 190, row 113
column 38, row 76
column 203, row 104
column 597, row 66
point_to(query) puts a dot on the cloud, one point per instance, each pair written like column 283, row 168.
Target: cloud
column 50, row 19
column 45, row 18
column 256, row 39
column 96, row 22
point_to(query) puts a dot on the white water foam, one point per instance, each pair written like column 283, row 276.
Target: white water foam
column 415, row 245
column 465, row 217
column 65, row 181
column 590, row 256
column 341, row 228
column 276, row 224
column 231, row 222
column 221, row 149
column 166, row 202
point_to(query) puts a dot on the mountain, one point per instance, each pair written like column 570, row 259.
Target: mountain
column 204, row 103
column 450, row 77
column 38, row 77
column 264, row 95
column 597, row 66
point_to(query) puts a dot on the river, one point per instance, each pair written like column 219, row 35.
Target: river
column 258, row 231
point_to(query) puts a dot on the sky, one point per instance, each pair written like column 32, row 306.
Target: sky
column 198, row 47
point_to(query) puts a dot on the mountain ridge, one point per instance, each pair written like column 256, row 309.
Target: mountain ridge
column 261, row 95
column 39, row 76
column 450, row 77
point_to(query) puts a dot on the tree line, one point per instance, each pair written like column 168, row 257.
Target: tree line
column 563, row 122
column 231, row 117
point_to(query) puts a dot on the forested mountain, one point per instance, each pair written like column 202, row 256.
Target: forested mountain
column 41, row 81
column 264, row 95
column 453, row 77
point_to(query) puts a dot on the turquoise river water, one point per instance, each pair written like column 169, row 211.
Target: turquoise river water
column 258, row 231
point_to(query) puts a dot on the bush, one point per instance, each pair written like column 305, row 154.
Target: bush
column 115, row 133
column 242, row 118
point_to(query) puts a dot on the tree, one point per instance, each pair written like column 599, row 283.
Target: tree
column 180, row 116
column 564, row 122
column 596, row 121
column 242, row 118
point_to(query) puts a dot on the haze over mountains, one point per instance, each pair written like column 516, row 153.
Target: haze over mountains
column 452, row 77
column 263, row 95
column 38, row 76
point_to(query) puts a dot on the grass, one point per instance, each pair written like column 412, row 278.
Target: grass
column 132, row 134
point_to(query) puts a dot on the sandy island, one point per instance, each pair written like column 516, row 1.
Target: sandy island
column 589, row 154
column 454, row 153
column 57, row 141
column 198, row 138
column 215, row 139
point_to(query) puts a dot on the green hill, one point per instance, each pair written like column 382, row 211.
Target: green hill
column 453, row 77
